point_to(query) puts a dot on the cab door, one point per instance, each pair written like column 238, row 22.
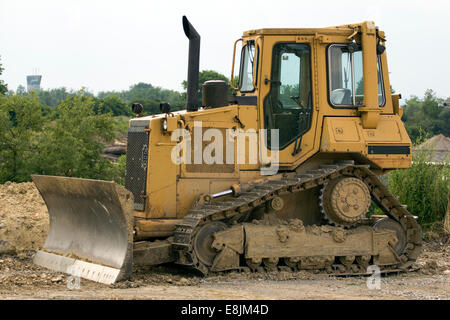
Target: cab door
column 287, row 99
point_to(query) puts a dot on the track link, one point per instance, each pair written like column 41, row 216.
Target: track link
column 237, row 209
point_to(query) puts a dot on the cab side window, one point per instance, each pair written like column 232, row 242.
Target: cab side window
column 247, row 65
column 346, row 81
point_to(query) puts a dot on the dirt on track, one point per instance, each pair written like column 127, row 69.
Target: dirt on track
column 24, row 226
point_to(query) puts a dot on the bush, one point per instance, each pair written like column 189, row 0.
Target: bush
column 21, row 120
column 72, row 144
column 65, row 141
column 119, row 170
column 423, row 188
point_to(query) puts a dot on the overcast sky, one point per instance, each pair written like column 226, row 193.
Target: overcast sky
column 110, row 45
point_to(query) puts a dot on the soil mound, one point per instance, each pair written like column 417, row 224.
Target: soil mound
column 24, row 218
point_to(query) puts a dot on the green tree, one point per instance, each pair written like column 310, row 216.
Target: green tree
column 119, row 170
column 360, row 88
column 112, row 104
column 204, row 76
column 443, row 123
column 424, row 117
column 54, row 96
column 417, row 134
column 288, row 91
column 20, row 120
column 430, row 105
column 21, row 91
column 147, row 92
column 72, row 144
column 3, row 86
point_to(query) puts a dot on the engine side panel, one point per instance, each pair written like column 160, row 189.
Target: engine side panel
column 388, row 146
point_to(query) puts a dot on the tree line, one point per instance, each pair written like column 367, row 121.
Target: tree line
column 118, row 103
column 426, row 117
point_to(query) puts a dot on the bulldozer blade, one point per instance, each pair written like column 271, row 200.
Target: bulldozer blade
column 91, row 228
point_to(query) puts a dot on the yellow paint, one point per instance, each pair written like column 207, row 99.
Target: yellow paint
column 348, row 135
column 173, row 189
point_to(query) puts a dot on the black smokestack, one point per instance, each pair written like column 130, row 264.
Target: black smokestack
column 193, row 65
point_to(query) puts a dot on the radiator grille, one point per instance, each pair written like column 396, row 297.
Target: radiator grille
column 137, row 161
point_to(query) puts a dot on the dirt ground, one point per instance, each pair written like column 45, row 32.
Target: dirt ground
column 24, row 226
column 23, row 218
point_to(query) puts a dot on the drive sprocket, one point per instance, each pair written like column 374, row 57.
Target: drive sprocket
column 344, row 201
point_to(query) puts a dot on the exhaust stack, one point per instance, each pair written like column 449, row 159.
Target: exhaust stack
column 193, row 64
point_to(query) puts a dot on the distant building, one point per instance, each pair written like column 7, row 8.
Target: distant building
column 439, row 147
column 34, row 82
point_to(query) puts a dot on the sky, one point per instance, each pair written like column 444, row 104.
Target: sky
column 107, row 45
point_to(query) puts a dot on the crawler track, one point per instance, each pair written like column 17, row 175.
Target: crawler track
column 237, row 210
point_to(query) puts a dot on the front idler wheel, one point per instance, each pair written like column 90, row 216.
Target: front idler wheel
column 203, row 242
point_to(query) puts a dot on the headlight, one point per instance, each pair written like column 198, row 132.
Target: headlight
column 164, row 124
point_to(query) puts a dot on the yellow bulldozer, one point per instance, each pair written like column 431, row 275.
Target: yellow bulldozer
column 279, row 175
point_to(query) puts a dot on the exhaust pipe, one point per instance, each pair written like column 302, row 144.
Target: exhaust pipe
column 193, row 64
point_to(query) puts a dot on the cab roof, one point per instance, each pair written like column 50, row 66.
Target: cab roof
column 335, row 30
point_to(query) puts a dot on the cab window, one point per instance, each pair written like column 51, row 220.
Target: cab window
column 248, row 59
column 288, row 106
column 346, row 81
